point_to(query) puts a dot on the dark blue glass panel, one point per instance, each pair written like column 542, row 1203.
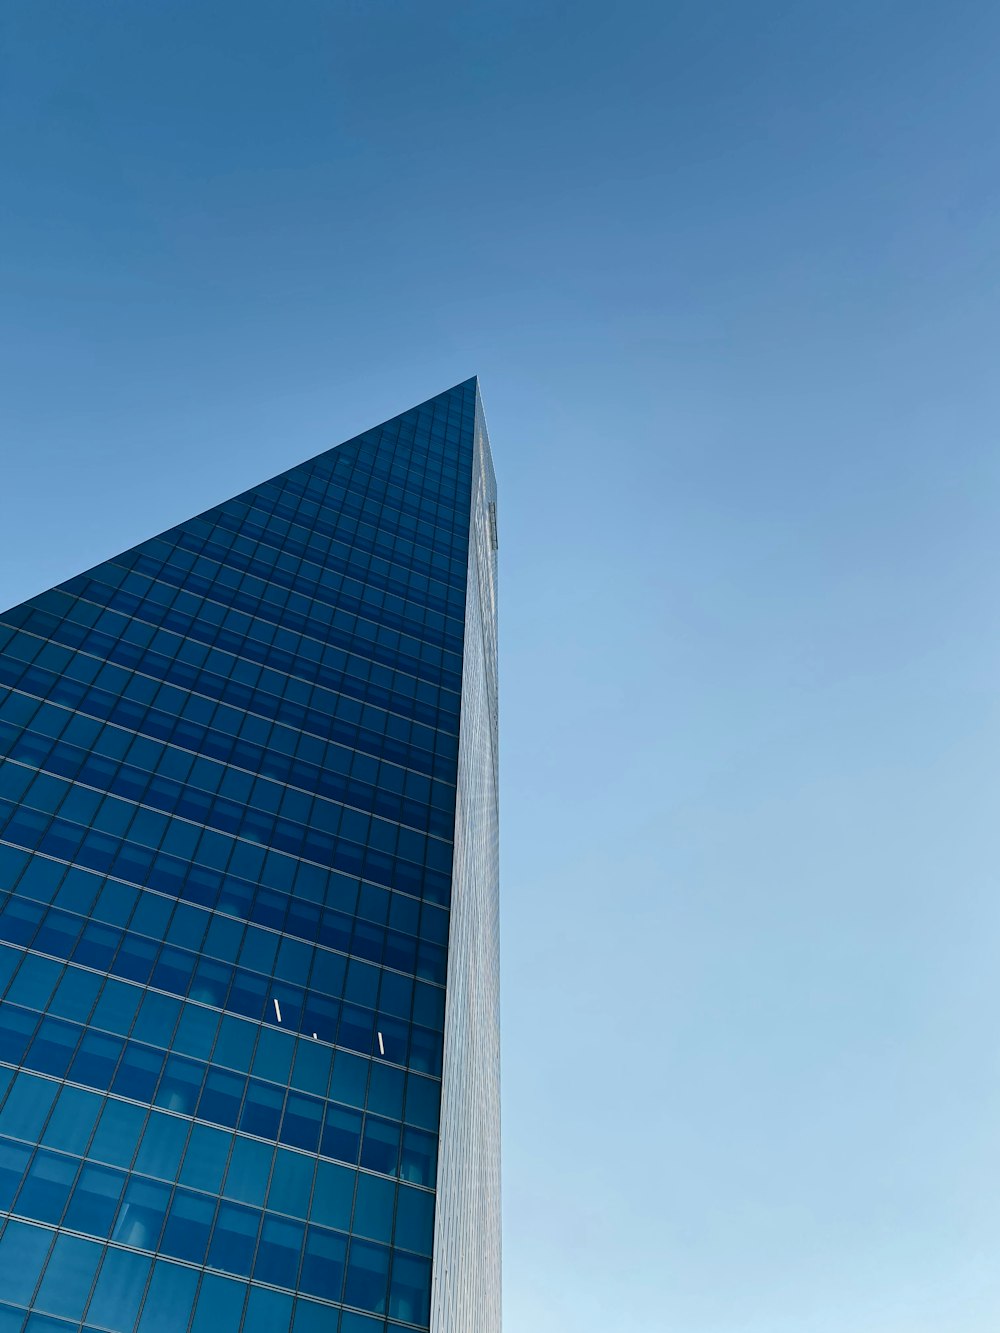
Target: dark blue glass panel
column 409, row 1297
column 188, row 1226
column 95, row 1199
column 323, row 1263
column 414, row 1220
column 14, row 1159
column 234, row 1239
column 140, row 1217
column 278, row 1254
column 367, row 1276
column 373, row 1208
column 341, row 1134
column 205, row 1158
column 46, row 1187
column 380, row 1148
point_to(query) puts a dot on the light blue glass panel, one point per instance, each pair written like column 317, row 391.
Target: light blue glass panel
column 22, row 1253
column 169, row 1300
column 69, row 1276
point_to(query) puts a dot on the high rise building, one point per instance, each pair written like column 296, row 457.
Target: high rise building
column 249, row 1064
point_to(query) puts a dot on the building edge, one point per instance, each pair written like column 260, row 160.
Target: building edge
column 465, row 1273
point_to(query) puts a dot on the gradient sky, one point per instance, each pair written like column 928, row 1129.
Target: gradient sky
column 729, row 272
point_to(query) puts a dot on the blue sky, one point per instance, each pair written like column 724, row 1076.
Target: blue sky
column 729, row 273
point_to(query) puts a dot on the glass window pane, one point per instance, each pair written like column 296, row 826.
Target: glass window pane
column 234, row 1239
column 323, row 1264
column 161, row 1146
column 189, row 1222
column 262, row 1110
column 414, row 1219
column 72, row 1120
column 341, row 1134
column 367, row 1277
column 220, row 1305
column 68, row 1277
column 27, row 1106
column 22, row 1252
column 333, row 1197
column 380, row 1150
column 268, row 1312
column 278, row 1253
column 46, row 1187
column 140, row 1218
column 14, row 1158
column 117, row 1133
column 249, row 1168
column 119, row 1289
column 291, row 1183
column 95, row 1199
column 373, row 1207
column 170, row 1298
column 205, row 1158
column 411, row 1289
column 301, row 1124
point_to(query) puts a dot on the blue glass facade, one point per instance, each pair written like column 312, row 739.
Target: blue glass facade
column 239, row 762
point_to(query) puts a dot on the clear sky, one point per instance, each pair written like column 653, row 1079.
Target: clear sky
column 729, row 273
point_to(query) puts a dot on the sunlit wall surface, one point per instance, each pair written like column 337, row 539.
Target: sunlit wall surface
column 466, row 1271
column 227, row 815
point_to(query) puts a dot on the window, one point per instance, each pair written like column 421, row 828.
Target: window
column 205, row 1159
column 169, row 1300
column 95, row 1199
column 373, row 1207
column 189, row 1222
column 278, row 1254
column 68, row 1277
column 162, row 1145
column 138, row 1073
column 46, row 1187
column 323, row 1264
column 234, row 1239
column 367, row 1277
column 72, row 1120
column 291, row 1183
column 27, row 1107
column 220, row 1305
column 419, row 1157
column 96, row 1060
column 341, row 1134
column 117, row 1133
column 22, row 1252
column 119, row 1289
column 380, row 1151
column 53, row 1047
column 249, row 1168
column 180, row 1084
column 301, row 1124
column 267, row 1311
column 13, row 1163
column 140, row 1218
